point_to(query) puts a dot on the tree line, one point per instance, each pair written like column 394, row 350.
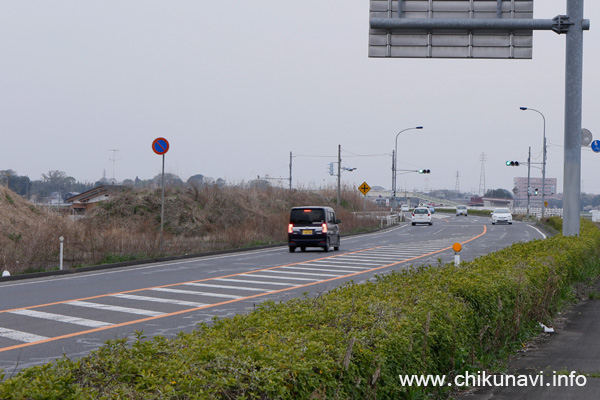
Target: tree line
column 55, row 182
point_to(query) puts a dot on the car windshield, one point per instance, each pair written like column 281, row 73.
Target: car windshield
column 461, row 207
column 421, row 211
column 307, row 216
column 501, row 211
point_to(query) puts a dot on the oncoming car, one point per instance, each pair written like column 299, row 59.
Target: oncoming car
column 421, row 215
column 313, row 227
column 501, row 215
column 461, row 210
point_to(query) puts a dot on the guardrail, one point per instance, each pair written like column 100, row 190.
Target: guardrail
column 385, row 218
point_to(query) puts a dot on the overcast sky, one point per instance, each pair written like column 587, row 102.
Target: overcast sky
column 236, row 86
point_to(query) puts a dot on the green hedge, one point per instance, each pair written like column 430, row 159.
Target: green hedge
column 351, row 343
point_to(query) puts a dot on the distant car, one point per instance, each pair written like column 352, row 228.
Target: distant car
column 501, row 215
column 421, row 215
column 461, row 210
column 432, row 209
column 404, row 208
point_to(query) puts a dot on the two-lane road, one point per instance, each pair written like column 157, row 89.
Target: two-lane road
column 42, row 319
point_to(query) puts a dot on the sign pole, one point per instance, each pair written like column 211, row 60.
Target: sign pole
column 162, row 203
column 457, row 247
column 160, row 146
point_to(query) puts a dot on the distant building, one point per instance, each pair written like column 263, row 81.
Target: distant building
column 475, row 201
column 83, row 202
column 534, row 183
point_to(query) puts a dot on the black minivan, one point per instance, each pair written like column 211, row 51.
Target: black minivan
column 313, row 227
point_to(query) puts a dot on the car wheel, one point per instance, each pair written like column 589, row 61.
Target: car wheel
column 337, row 248
column 292, row 249
column 510, row 223
column 326, row 247
column 413, row 224
column 431, row 223
column 493, row 223
column 303, row 249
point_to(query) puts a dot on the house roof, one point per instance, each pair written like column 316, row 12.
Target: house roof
column 86, row 196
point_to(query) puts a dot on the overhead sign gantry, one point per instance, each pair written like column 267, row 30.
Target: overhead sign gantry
column 500, row 29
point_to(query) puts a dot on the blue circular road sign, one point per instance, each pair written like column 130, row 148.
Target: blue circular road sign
column 160, row 146
column 595, row 146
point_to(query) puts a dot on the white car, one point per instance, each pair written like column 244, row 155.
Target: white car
column 421, row 215
column 461, row 210
column 501, row 215
column 404, row 208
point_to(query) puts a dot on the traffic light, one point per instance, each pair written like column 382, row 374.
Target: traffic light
column 535, row 191
column 331, row 169
column 512, row 163
column 424, row 171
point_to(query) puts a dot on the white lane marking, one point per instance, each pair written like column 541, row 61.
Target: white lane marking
column 343, row 262
column 61, row 318
column 107, row 307
column 227, row 287
column 159, row 300
column 259, row 282
column 329, row 264
column 278, row 277
column 301, row 273
column 142, row 267
column 20, row 336
column 193, row 292
column 540, row 232
column 322, row 269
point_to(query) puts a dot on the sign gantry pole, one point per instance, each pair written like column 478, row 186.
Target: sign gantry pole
column 573, row 104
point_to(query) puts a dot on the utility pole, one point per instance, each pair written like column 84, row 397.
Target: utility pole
column 290, row 170
column 339, row 188
column 393, row 196
column 528, row 178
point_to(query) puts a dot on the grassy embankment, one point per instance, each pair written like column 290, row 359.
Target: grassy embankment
column 351, row 343
column 127, row 226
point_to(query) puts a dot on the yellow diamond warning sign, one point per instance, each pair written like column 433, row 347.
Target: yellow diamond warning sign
column 364, row 188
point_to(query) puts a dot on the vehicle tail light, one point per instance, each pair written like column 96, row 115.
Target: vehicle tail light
column 324, row 227
column 290, row 228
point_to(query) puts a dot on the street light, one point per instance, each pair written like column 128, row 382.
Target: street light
column 544, row 159
column 395, row 162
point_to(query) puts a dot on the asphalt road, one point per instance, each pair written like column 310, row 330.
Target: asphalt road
column 41, row 319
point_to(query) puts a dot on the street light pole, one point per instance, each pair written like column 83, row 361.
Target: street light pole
column 395, row 164
column 544, row 160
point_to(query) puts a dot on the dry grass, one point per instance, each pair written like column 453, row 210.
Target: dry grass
column 127, row 226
